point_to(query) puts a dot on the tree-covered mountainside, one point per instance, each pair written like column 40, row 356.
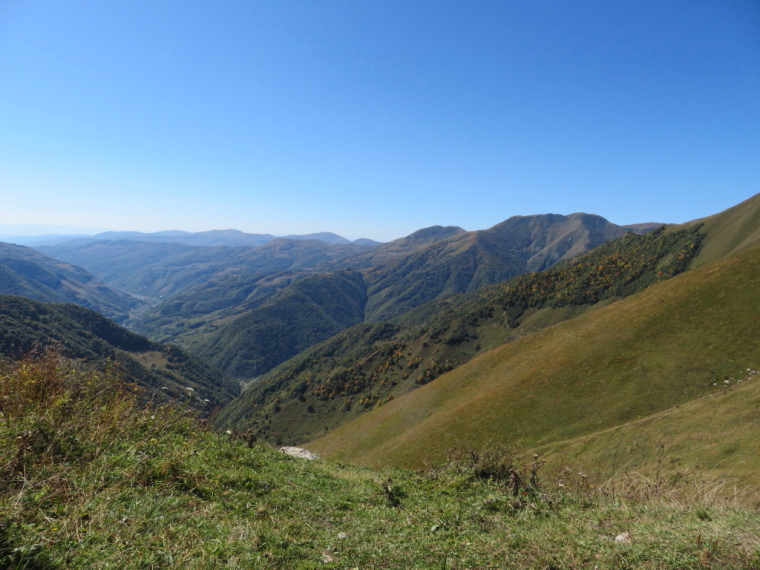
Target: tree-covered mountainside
column 166, row 372
column 305, row 313
column 371, row 364
column 202, row 310
column 28, row 273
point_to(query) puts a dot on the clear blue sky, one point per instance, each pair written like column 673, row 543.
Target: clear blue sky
column 374, row 118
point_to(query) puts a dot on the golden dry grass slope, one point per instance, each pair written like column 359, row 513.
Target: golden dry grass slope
column 731, row 231
column 675, row 343
column 717, row 434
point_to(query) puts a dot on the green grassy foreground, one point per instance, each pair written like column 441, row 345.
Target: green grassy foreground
column 89, row 479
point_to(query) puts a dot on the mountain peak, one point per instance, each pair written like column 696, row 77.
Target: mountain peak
column 434, row 233
column 326, row 237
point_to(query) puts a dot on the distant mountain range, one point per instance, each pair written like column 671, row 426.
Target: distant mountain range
column 163, row 269
column 248, row 309
column 393, row 279
column 232, row 238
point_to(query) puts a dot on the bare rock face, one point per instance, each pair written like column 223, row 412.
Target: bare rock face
column 299, row 452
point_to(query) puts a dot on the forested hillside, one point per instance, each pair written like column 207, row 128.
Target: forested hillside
column 202, row 310
column 309, row 311
column 165, row 372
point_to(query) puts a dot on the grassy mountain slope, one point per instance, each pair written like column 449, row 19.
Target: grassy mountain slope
column 309, row 311
column 91, row 479
column 717, row 433
column 81, row 333
column 367, row 365
column 731, row 231
column 665, row 346
column 28, row 273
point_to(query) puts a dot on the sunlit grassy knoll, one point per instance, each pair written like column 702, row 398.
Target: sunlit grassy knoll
column 731, row 231
column 717, row 434
column 89, row 479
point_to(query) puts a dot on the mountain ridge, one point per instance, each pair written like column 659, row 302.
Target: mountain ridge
column 29, row 273
column 346, row 375
column 431, row 263
column 228, row 237
column 465, row 261
column 161, row 270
